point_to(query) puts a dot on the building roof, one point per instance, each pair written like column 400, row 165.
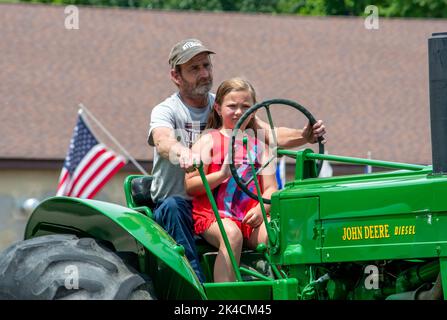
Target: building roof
column 369, row 86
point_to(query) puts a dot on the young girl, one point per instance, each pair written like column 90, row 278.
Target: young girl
column 241, row 215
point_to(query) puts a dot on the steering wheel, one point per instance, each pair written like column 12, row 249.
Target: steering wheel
column 241, row 182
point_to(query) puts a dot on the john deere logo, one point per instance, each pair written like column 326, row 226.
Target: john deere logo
column 376, row 231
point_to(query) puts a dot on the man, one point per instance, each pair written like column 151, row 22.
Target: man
column 174, row 127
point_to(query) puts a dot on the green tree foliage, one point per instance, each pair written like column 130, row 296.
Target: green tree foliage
column 387, row 8
column 416, row 8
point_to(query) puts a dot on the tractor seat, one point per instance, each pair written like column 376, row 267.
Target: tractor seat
column 137, row 189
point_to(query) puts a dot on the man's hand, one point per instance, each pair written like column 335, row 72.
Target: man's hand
column 311, row 134
column 187, row 159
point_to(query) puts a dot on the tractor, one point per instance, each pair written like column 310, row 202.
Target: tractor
column 355, row 237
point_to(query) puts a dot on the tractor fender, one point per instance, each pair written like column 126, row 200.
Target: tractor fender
column 127, row 230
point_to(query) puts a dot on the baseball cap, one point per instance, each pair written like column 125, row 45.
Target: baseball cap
column 183, row 51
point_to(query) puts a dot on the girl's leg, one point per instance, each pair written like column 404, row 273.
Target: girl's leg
column 223, row 270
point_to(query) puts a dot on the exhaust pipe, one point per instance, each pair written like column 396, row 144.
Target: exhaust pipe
column 437, row 62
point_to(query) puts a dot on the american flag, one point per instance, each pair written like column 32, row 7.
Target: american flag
column 88, row 164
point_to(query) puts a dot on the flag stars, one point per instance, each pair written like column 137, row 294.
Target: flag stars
column 80, row 144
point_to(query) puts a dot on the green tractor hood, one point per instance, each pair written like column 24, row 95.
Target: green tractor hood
column 392, row 215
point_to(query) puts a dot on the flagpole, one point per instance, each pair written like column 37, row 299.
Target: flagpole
column 88, row 113
column 368, row 167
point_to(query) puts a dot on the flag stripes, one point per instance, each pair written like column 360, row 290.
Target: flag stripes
column 88, row 166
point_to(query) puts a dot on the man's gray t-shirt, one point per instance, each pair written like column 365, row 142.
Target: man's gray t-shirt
column 187, row 123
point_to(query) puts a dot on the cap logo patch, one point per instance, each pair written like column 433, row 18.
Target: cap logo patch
column 191, row 44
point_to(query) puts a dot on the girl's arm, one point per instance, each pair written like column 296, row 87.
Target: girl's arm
column 193, row 183
column 254, row 216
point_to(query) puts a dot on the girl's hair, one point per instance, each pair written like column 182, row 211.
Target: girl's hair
column 231, row 85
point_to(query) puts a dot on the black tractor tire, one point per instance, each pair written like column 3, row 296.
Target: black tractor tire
column 65, row 267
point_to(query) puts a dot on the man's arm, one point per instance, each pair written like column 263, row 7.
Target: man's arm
column 169, row 148
column 290, row 138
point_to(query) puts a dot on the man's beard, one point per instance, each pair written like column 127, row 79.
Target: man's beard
column 198, row 90
column 202, row 89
